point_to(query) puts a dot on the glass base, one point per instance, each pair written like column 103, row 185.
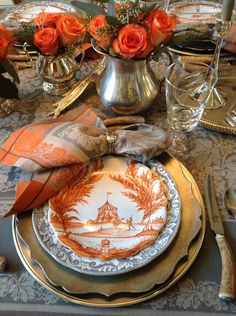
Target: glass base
column 59, row 88
column 7, row 106
column 181, row 143
column 215, row 100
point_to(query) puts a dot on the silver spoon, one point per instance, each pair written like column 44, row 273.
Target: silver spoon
column 230, row 201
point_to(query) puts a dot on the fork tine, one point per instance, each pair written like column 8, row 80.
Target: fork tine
column 230, row 120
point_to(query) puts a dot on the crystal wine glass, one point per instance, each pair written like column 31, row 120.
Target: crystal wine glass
column 188, row 88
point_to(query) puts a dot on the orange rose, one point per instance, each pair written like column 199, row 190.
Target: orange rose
column 104, row 39
column 71, row 28
column 7, row 40
column 160, row 26
column 46, row 40
column 132, row 41
column 44, row 19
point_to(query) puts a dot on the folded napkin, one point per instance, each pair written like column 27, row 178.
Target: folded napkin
column 51, row 153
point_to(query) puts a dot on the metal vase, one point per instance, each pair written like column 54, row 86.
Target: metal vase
column 57, row 73
column 127, row 87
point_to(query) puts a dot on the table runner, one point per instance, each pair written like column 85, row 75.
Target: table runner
column 195, row 294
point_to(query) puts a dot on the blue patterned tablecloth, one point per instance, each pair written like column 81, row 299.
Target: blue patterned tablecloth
column 195, row 294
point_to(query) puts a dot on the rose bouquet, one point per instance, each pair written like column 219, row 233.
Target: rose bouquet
column 127, row 30
column 59, row 38
column 57, row 33
column 8, row 89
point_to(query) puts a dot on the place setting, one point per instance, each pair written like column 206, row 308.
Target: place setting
column 105, row 213
column 101, row 275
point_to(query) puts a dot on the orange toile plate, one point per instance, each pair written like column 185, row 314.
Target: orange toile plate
column 116, row 207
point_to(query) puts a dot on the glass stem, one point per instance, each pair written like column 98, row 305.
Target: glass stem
column 180, row 142
column 216, row 57
column 166, row 5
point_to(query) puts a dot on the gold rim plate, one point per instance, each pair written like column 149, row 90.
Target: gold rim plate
column 123, row 299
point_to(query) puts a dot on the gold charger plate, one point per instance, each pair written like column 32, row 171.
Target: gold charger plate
column 182, row 176
column 188, row 52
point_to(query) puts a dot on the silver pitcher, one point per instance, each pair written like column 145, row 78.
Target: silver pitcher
column 57, row 72
column 127, row 87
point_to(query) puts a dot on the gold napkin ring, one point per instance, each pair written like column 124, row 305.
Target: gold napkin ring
column 110, row 138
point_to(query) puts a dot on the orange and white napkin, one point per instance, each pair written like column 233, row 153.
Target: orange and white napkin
column 51, row 153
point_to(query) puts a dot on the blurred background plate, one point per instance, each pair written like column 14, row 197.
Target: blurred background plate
column 25, row 12
column 195, row 11
column 203, row 46
column 189, row 52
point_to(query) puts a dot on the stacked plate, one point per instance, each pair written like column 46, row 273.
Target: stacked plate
column 195, row 24
column 124, row 233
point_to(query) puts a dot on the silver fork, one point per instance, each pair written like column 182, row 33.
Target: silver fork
column 230, row 117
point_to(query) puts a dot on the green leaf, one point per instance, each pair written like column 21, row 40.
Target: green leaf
column 112, row 52
column 89, row 8
column 147, row 10
column 2, row 69
column 112, row 20
column 8, row 89
column 111, row 8
column 11, row 69
column 87, row 38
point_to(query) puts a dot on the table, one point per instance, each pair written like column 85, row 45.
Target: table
column 195, row 294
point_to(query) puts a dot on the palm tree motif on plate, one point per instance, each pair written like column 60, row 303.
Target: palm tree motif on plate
column 141, row 190
column 63, row 203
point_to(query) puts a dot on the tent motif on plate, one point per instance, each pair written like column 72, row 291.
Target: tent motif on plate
column 107, row 213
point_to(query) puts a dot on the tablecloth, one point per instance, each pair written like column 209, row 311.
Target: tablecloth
column 196, row 293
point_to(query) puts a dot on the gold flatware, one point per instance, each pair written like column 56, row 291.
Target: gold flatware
column 23, row 65
column 21, row 57
column 121, row 120
column 230, row 201
column 2, row 263
column 76, row 91
column 228, row 276
column 230, row 116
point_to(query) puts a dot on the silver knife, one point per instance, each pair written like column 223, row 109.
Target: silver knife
column 228, row 276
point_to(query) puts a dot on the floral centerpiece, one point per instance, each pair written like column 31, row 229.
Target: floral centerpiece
column 8, row 88
column 58, row 33
column 127, row 30
column 129, row 36
column 57, row 36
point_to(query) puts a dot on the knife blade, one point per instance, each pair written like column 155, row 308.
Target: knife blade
column 228, row 275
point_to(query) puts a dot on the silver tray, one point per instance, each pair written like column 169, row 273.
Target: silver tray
column 214, row 119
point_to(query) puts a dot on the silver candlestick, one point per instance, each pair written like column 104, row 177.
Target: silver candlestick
column 222, row 27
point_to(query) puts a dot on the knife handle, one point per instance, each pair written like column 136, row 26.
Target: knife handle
column 228, row 276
